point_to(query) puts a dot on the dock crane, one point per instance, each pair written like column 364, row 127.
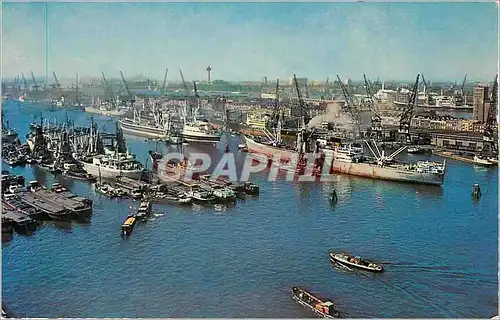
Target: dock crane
column 196, row 95
column 351, row 105
column 163, row 87
column 56, row 84
column 407, row 115
column 489, row 147
column 25, row 83
column 130, row 94
column 184, row 82
column 109, row 90
column 35, row 85
column 376, row 120
column 460, row 95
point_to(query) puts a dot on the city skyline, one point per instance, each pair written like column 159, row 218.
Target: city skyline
column 246, row 41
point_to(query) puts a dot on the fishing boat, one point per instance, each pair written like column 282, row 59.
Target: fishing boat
column 347, row 261
column 136, row 194
column 223, row 194
column 479, row 160
column 79, row 175
column 144, row 210
column 200, row 195
column 105, row 189
column 324, row 309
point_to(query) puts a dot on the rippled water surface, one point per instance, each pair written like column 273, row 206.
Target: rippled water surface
column 439, row 249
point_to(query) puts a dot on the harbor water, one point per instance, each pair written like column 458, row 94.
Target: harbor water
column 438, row 246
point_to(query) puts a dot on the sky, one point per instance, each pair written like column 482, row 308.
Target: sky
column 247, row 41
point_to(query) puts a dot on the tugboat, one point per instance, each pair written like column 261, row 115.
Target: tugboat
column 476, row 191
column 128, row 225
column 346, row 261
column 324, row 309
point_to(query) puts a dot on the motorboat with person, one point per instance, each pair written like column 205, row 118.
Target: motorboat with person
column 324, row 309
column 347, row 261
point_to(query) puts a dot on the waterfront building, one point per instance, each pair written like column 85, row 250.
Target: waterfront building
column 481, row 102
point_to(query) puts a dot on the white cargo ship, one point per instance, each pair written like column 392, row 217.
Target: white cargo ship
column 351, row 159
column 112, row 165
column 201, row 131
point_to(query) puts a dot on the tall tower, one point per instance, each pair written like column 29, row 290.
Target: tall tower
column 208, row 71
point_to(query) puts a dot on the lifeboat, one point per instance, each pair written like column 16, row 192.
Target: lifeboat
column 347, row 261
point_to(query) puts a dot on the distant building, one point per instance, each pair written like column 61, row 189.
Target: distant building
column 480, row 103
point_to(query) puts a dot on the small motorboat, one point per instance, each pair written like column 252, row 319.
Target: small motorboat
column 324, row 309
column 415, row 150
column 243, row 147
column 479, row 160
column 347, row 261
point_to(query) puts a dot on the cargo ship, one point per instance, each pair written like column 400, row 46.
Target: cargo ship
column 201, row 131
column 110, row 166
column 160, row 127
column 351, row 159
column 105, row 112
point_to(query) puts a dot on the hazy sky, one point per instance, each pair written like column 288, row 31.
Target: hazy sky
column 246, row 41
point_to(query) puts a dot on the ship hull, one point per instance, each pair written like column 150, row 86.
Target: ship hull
column 271, row 152
column 110, row 173
column 202, row 138
column 141, row 131
column 367, row 170
column 290, row 134
column 386, row 173
column 117, row 113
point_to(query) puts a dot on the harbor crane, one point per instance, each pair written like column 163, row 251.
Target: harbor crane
column 351, row 105
column 25, row 83
column 184, row 82
column 109, row 90
column 407, row 115
column 489, row 147
column 129, row 93
column 376, row 120
column 56, row 82
column 35, row 85
column 460, row 95
column 163, row 87
column 196, row 95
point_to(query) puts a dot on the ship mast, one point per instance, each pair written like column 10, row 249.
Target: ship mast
column 376, row 120
column 302, row 136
